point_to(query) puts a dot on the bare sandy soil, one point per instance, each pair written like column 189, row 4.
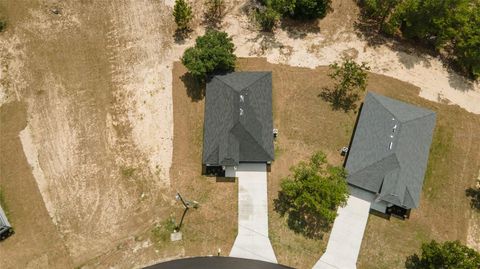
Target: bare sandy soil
column 335, row 37
column 98, row 134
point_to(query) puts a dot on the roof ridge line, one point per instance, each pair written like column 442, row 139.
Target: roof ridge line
column 424, row 116
column 250, row 135
column 407, row 191
column 253, row 82
column 416, row 107
column 370, row 164
column 221, row 80
column 381, row 104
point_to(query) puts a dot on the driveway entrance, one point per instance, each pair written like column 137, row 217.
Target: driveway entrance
column 252, row 240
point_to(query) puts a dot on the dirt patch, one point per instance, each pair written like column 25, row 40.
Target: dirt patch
column 214, row 224
column 334, row 37
column 35, row 235
column 83, row 123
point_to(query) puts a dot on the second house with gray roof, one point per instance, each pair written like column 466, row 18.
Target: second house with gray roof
column 389, row 152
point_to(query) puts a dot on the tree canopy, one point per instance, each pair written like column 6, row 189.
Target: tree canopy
column 269, row 15
column 213, row 52
column 309, row 9
column 350, row 80
column 450, row 26
column 183, row 14
column 447, row 255
column 311, row 195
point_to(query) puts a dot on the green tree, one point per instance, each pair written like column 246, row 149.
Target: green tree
column 267, row 18
column 183, row 15
column 311, row 195
column 447, row 255
column 350, row 80
column 379, row 10
column 213, row 52
column 300, row 9
column 451, row 27
column 311, row 9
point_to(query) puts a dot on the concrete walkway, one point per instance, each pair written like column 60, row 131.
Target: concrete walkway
column 347, row 232
column 252, row 240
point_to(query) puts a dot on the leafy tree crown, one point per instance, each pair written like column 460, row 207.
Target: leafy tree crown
column 447, row 255
column 183, row 14
column 213, row 52
column 311, row 195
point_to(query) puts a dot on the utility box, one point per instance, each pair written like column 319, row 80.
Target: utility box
column 5, row 227
column 176, row 236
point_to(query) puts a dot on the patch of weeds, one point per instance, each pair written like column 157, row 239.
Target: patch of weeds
column 127, row 172
column 474, row 195
column 439, row 154
column 158, row 170
column 161, row 232
column 198, row 139
column 278, row 151
column 3, row 24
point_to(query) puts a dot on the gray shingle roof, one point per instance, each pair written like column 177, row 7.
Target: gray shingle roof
column 390, row 149
column 238, row 119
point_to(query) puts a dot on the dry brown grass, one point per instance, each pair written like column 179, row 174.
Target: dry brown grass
column 36, row 242
column 444, row 210
column 214, row 224
column 306, row 124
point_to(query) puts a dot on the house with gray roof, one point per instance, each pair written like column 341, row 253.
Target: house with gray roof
column 389, row 152
column 238, row 121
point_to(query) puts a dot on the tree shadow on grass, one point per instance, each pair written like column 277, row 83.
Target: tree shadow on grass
column 474, row 195
column 338, row 101
column 194, row 86
column 300, row 221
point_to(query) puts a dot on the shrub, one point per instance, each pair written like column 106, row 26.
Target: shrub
column 3, row 24
column 311, row 9
column 215, row 11
column 183, row 15
column 267, row 18
column 213, row 52
column 447, row 255
column 450, row 26
column 300, row 9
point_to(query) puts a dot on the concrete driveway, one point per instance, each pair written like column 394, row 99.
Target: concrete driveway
column 347, row 232
column 252, row 240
